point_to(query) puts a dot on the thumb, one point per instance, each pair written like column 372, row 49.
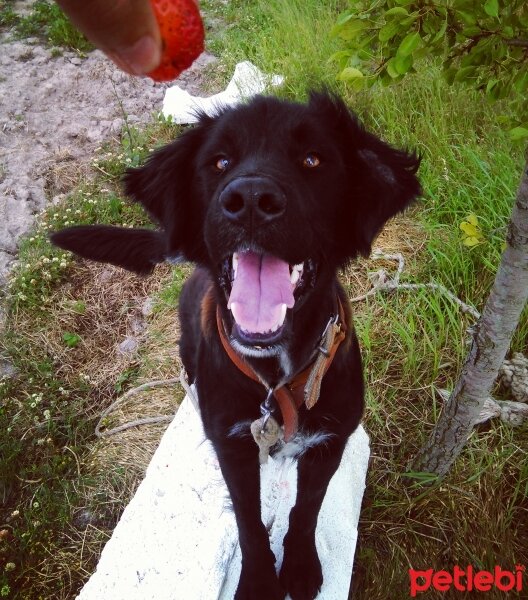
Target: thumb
column 126, row 30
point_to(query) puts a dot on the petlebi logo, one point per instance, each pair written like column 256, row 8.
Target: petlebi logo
column 466, row 580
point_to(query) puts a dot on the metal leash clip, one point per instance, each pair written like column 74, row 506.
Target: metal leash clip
column 266, row 408
column 266, row 431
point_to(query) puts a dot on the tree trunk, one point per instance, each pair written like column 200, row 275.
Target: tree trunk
column 490, row 344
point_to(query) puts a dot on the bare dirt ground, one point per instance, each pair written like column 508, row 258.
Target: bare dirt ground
column 54, row 112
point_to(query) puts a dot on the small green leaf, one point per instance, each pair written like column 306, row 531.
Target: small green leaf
column 472, row 232
column 71, row 339
column 350, row 29
column 391, row 69
column 343, row 18
column 471, row 31
column 354, row 77
column 492, row 8
column 441, row 32
column 364, row 54
column 402, row 64
column 473, row 219
column 397, row 11
column 388, row 31
column 350, row 73
column 521, row 82
column 491, row 84
column 341, row 57
column 410, row 19
column 518, row 133
column 409, row 44
column 469, row 229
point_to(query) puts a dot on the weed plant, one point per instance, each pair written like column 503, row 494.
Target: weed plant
column 46, row 21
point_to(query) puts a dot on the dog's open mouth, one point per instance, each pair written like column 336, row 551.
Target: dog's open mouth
column 263, row 288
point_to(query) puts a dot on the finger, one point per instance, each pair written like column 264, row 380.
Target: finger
column 126, row 30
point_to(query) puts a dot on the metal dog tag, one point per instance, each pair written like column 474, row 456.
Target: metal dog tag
column 266, row 433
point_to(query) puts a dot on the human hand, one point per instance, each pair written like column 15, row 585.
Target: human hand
column 125, row 30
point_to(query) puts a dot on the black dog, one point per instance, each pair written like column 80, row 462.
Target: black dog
column 269, row 199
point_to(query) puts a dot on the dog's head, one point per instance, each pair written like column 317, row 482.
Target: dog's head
column 271, row 197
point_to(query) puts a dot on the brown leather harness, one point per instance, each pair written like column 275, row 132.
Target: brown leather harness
column 305, row 386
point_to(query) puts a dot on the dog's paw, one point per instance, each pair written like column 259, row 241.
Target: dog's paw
column 261, row 585
column 301, row 574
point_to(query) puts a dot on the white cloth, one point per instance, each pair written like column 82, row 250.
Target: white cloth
column 178, row 539
column 247, row 81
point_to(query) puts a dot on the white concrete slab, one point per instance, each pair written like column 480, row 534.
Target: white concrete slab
column 177, row 539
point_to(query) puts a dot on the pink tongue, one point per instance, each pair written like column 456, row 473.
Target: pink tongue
column 262, row 284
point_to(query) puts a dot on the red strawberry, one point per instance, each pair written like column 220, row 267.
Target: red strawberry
column 182, row 34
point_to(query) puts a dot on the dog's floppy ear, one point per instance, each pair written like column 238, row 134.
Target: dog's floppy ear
column 381, row 180
column 165, row 187
column 136, row 250
column 386, row 185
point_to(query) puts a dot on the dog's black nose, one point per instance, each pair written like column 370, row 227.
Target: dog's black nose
column 252, row 201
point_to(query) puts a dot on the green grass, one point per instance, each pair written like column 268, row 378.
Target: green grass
column 290, row 38
column 45, row 21
column 8, row 17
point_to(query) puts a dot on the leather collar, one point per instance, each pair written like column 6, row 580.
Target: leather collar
column 305, row 386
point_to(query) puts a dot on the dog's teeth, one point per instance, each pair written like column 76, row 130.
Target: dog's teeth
column 295, row 276
column 233, row 307
column 296, row 273
column 235, row 263
column 282, row 314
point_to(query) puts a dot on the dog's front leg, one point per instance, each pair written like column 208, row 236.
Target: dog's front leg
column 240, row 468
column 301, row 574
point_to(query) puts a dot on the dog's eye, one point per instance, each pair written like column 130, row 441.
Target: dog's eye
column 311, row 161
column 222, row 163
